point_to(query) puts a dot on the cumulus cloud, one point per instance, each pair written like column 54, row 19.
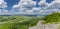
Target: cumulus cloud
column 3, row 6
column 43, row 4
column 54, row 6
column 51, row 7
column 25, row 6
column 28, row 7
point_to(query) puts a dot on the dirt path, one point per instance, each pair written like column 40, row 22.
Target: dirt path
column 44, row 26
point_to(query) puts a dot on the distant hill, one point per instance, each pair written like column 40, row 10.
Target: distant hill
column 22, row 15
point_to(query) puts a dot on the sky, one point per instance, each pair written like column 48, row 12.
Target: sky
column 30, row 7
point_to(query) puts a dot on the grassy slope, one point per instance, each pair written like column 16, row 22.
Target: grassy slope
column 52, row 18
column 17, row 22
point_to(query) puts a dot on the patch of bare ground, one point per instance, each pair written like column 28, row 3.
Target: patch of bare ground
column 40, row 25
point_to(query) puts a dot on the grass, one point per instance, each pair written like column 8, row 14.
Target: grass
column 24, row 22
column 17, row 22
column 52, row 18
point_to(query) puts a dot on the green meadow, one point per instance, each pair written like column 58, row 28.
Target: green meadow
column 18, row 22
column 24, row 22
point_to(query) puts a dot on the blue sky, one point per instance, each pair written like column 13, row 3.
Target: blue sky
column 34, row 7
column 10, row 3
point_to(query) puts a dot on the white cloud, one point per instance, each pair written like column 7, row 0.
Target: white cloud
column 54, row 6
column 3, row 6
column 25, row 6
column 3, row 12
column 28, row 7
column 51, row 7
column 43, row 4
